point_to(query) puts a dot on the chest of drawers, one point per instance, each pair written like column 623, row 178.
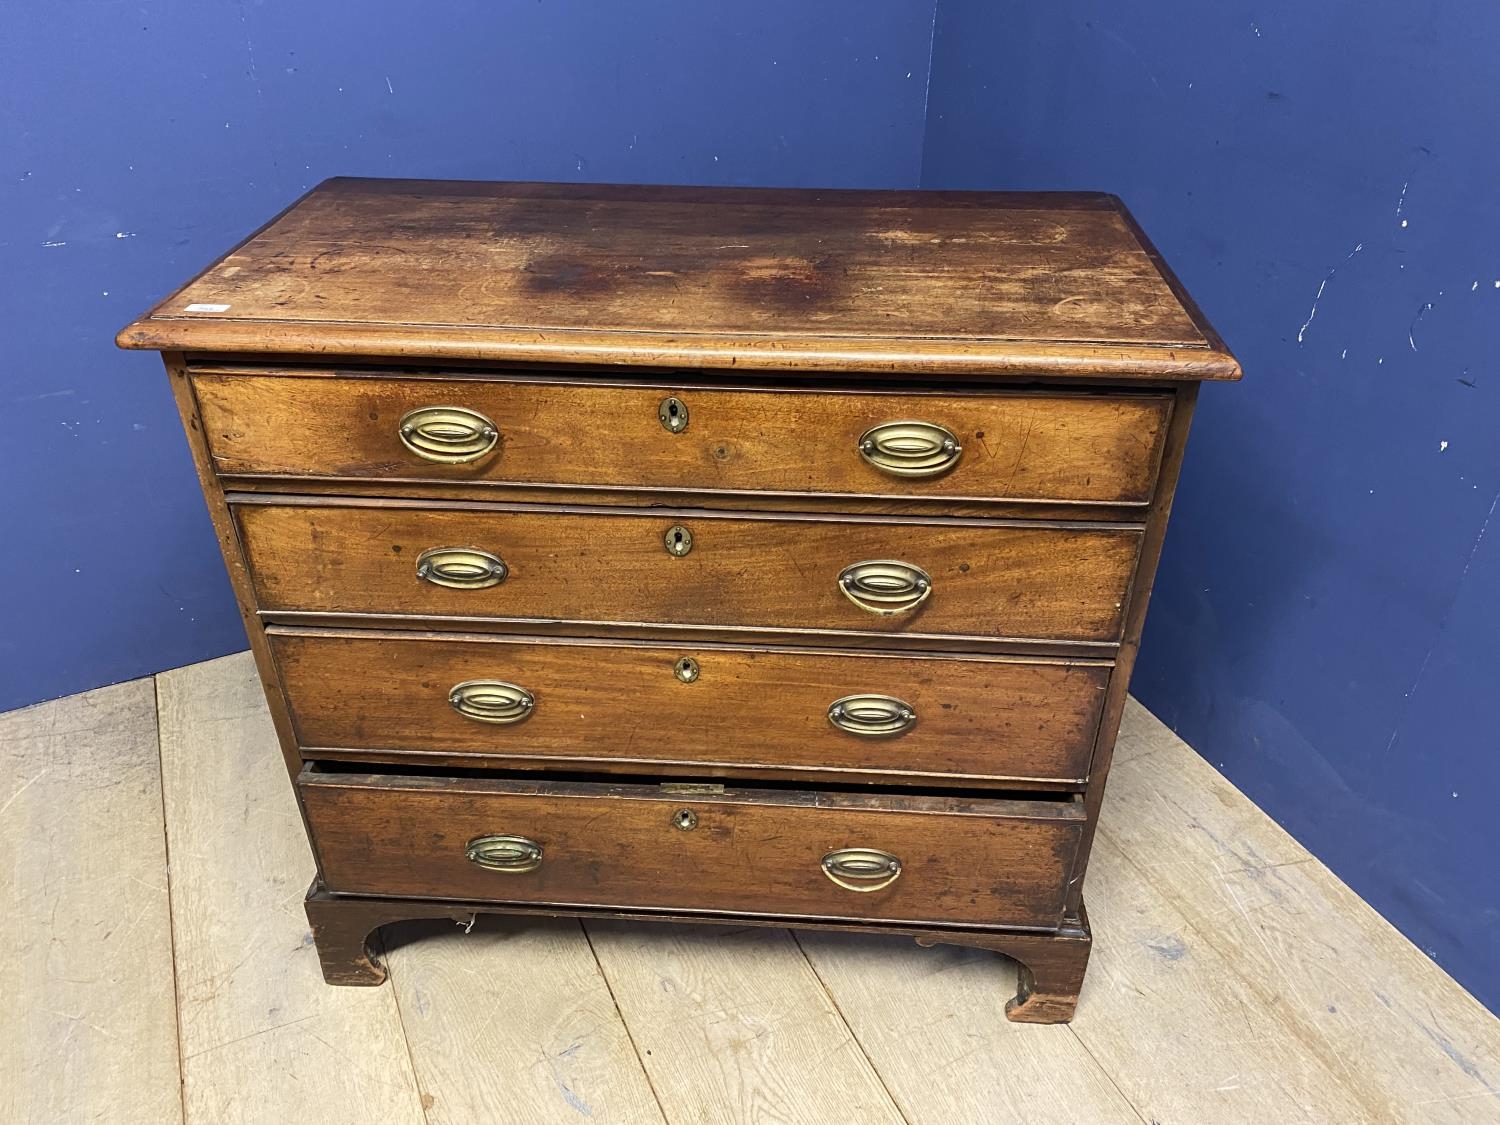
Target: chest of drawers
column 775, row 557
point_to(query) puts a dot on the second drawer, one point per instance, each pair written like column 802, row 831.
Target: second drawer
column 941, row 580
column 691, row 709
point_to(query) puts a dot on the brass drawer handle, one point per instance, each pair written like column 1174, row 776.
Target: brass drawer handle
column 861, row 869
column 461, row 568
column 512, row 855
column 885, row 586
column 910, row 449
column 491, row 701
column 449, row 435
column 872, row 716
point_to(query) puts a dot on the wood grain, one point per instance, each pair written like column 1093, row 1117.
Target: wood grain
column 510, row 1022
column 86, row 980
column 988, row 580
column 825, row 280
column 1185, row 1036
column 1016, row 446
column 1349, row 988
column 622, row 706
column 595, row 495
column 250, row 996
column 928, row 1021
column 734, row 1027
column 234, row 559
column 992, row 863
column 1050, row 965
column 1134, row 624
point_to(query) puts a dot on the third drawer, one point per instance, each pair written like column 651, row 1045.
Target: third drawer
column 709, row 709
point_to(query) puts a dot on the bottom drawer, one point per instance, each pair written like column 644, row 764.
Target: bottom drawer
column 794, row 853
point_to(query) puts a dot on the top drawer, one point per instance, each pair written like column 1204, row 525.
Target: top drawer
column 1015, row 446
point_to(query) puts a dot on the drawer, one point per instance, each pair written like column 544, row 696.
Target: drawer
column 949, row 579
column 710, row 709
column 1016, row 446
column 978, row 862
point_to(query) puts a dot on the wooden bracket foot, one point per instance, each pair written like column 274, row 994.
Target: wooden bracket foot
column 1050, row 965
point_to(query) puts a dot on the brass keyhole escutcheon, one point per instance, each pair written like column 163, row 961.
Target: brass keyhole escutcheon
column 686, row 669
column 684, row 820
column 673, row 414
column 679, row 540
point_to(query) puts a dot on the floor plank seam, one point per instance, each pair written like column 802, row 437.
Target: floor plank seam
column 166, row 843
column 838, row 1011
column 383, row 957
column 1108, row 1077
column 625, row 1023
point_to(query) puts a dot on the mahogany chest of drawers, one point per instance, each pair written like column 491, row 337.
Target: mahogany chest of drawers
column 775, row 557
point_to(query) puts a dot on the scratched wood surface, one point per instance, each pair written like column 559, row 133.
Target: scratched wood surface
column 996, row 717
column 788, row 441
column 90, row 1031
column 1346, row 987
column 734, row 1025
column 510, row 1022
column 1234, row 980
column 1041, row 582
column 913, row 283
column 262, row 1038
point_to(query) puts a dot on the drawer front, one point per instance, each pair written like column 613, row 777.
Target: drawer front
column 999, row 863
column 632, row 707
column 1022, row 446
column 985, row 580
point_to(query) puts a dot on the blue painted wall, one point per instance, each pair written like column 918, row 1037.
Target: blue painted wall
column 1324, row 178
column 139, row 141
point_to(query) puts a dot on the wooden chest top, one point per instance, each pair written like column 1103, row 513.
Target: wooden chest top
column 911, row 284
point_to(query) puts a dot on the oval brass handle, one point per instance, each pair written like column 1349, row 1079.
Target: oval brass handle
column 491, row 701
column 461, row 568
column 861, row 869
column 910, row 449
column 510, row 854
column 872, row 716
column 449, row 435
column 885, row 586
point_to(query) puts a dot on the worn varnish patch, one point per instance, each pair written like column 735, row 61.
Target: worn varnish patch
column 990, row 282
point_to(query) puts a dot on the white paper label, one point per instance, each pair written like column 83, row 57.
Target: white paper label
column 207, row 308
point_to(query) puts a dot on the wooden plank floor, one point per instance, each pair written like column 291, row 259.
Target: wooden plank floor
column 158, row 969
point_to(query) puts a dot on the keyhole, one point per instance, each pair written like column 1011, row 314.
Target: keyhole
column 678, row 540
column 685, row 820
column 673, row 413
